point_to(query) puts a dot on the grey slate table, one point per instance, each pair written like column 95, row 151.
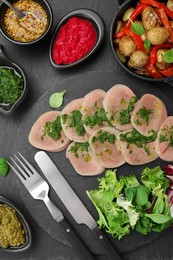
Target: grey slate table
column 35, row 62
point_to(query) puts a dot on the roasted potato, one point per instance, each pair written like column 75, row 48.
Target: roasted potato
column 127, row 46
column 150, row 19
column 161, row 64
column 170, row 4
column 138, row 60
column 157, row 35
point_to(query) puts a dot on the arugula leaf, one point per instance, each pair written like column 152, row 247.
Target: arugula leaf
column 143, row 225
column 159, row 218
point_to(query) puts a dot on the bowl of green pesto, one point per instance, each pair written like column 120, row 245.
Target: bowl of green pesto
column 13, row 85
column 15, row 234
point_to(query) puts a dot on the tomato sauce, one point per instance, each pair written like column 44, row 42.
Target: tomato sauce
column 74, row 40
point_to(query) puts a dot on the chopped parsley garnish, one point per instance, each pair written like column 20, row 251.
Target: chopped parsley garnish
column 104, row 136
column 167, row 135
column 124, row 115
column 79, row 147
column 134, row 137
column 98, row 118
column 75, row 120
column 11, row 86
column 52, row 129
column 143, row 116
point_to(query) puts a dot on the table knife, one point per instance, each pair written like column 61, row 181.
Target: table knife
column 73, row 203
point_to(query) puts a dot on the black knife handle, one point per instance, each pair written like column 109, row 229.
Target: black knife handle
column 110, row 251
column 77, row 244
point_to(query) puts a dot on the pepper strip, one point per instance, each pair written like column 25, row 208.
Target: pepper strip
column 137, row 39
column 138, row 10
column 166, row 22
column 167, row 72
column 159, row 5
column 152, row 71
column 153, row 52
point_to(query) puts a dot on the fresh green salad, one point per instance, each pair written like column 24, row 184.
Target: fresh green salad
column 126, row 204
column 11, row 86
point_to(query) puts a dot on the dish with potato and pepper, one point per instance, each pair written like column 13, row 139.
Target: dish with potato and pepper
column 143, row 38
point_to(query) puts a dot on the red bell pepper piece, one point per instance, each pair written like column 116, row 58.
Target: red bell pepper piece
column 159, row 5
column 152, row 71
column 153, row 52
column 166, row 22
column 137, row 39
column 167, row 72
column 138, row 10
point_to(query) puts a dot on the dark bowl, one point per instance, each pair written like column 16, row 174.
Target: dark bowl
column 118, row 16
column 25, row 225
column 86, row 14
column 6, row 62
column 3, row 9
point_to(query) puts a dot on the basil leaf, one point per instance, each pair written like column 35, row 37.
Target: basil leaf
column 168, row 56
column 56, row 99
column 147, row 44
column 137, row 28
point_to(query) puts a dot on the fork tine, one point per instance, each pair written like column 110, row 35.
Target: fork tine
column 27, row 172
column 28, row 164
column 21, row 177
column 22, row 172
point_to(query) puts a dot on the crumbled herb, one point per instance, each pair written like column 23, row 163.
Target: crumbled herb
column 52, row 129
column 74, row 119
column 83, row 147
column 143, row 116
column 166, row 135
column 98, row 118
column 104, row 136
column 64, row 118
column 134, row 137
column 124, row 115
column 11, row 86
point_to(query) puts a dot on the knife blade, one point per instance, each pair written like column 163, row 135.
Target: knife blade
column 73, row 203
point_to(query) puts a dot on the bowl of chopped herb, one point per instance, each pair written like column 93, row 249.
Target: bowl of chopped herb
column 13, row 86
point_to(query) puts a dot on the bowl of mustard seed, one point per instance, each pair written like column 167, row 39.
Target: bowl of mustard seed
column 30, row 29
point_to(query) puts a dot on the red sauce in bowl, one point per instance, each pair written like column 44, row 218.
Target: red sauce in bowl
column 75, row 40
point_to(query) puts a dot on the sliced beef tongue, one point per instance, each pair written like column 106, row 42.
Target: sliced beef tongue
column 72, row 123
column 137, row 149
column 103, row 143
column 82, row 160
column 164, row 142
column 148, row 115
column 93, row 112
column 119, row 103
column 47, row 134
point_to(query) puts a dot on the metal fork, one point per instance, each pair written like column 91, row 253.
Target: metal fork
column 38, row 188
column 36, row 185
